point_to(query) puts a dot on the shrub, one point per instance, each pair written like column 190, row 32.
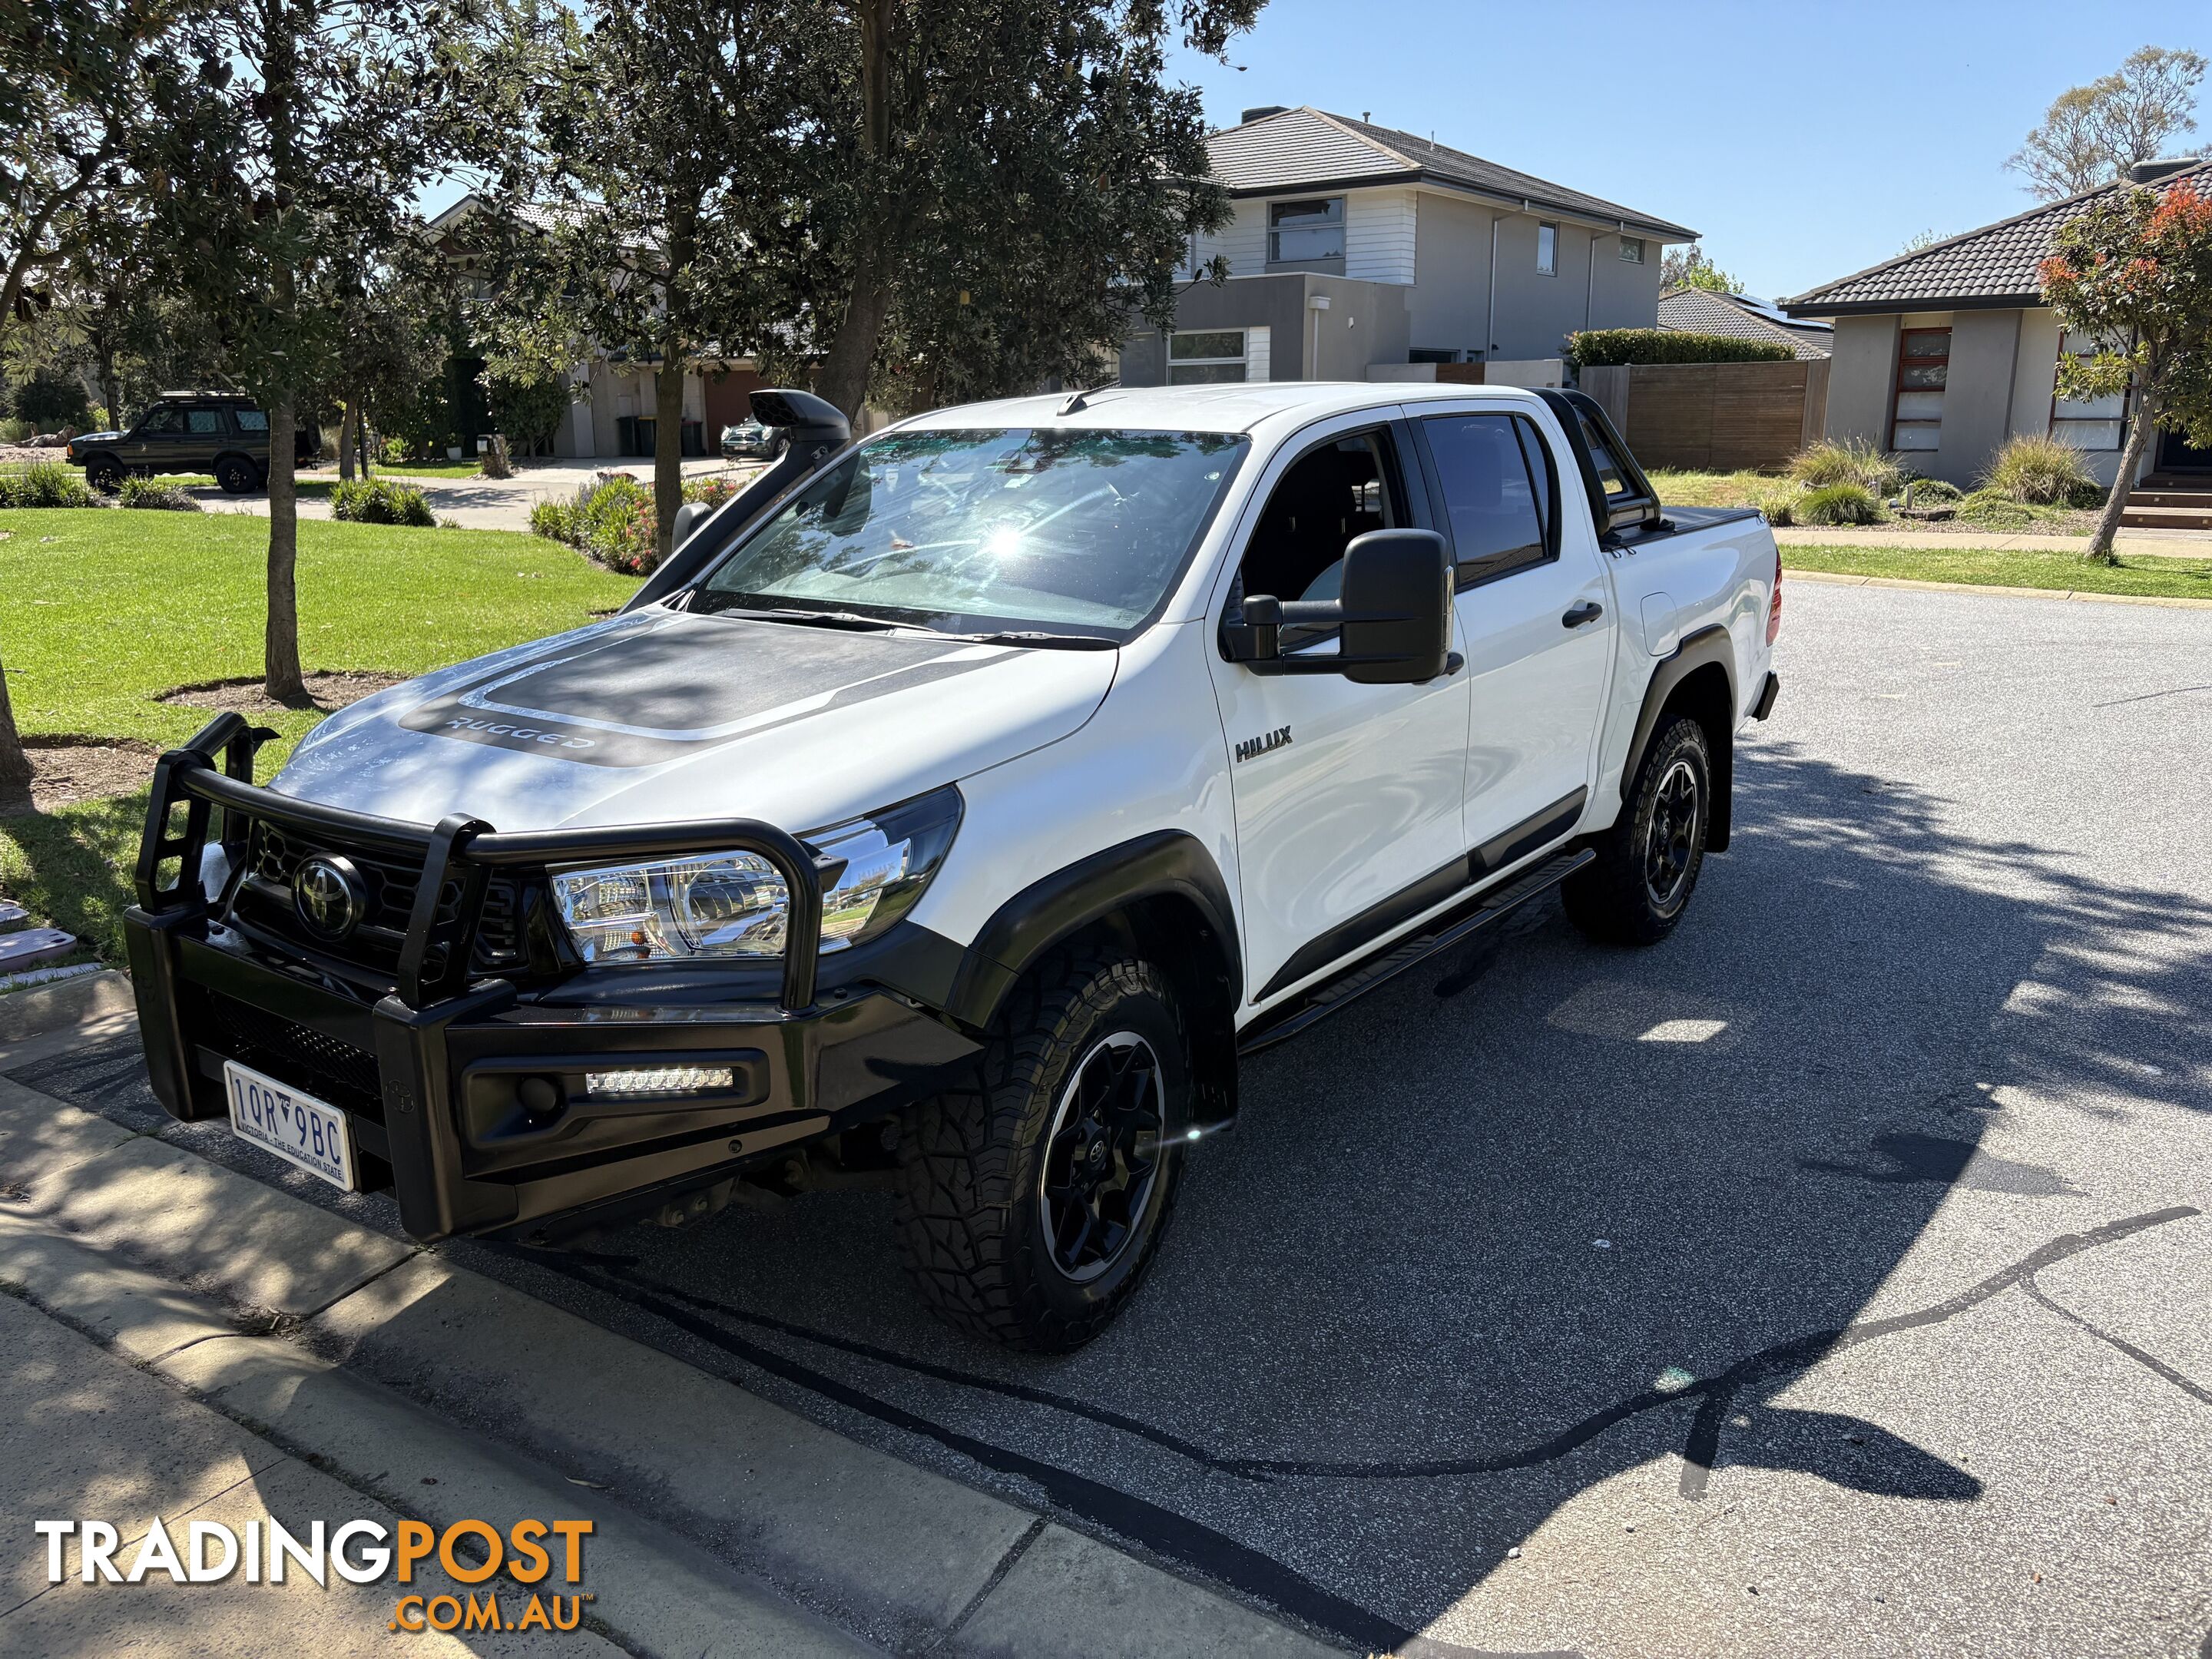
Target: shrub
column 159, row 496
column 2039, row 471
column 1993, row 509
column 556, row 520
column 380, row 501
column 44, row 483
column 1856, row 461
column 391, row 453
column 1933, row 492
column 100, row 423
column 13, row 431
column 712, row 491
column 1839, row 503
column 54, row 398
column 610, row 519
column 1602, row 348
column 1780, row 501
column 2086, row 495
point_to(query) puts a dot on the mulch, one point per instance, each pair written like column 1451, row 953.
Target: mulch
column 66, row 769
column 325, row 692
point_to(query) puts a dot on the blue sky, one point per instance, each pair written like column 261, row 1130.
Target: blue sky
column 1805, row 140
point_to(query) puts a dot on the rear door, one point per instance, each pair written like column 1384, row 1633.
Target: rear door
column 206, row 432
column 1347, row 797
column 1534, row 612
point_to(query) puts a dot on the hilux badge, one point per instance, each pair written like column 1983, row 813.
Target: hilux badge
column 329, row 895
column 1260, row 745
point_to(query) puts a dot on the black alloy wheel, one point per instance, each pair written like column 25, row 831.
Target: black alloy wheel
column 1101, row 1156
column 1670, row 845
column 237, row 476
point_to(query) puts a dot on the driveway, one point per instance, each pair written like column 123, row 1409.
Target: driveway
column 484, row 503
column 1832, row 1278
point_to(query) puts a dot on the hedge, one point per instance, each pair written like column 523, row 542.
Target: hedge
column 1601, row 348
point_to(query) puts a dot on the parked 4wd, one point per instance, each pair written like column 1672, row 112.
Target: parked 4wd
column 217, row 432
column 953, row 811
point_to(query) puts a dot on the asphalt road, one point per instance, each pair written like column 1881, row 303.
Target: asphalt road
column 1829, row 1280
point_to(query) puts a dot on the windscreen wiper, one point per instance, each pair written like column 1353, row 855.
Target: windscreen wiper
column 1050, row 641
column 847, row 619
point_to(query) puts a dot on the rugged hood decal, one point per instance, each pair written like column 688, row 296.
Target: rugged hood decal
column 668, row 686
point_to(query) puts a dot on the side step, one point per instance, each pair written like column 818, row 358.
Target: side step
column 1450, row 929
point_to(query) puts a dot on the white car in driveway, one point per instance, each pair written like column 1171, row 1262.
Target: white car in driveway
column 952, row 809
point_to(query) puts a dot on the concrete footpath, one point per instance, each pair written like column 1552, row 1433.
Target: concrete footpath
column 2129, row 543
column 180, row 1341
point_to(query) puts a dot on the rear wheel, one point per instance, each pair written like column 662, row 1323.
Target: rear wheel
column 1032, row 1202
column 237, row 475
column 1648, row 862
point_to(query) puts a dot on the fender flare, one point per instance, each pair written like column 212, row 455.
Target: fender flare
column 1164, row 863
column 1711, row 645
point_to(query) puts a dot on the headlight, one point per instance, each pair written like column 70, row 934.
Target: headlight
column 733, row 906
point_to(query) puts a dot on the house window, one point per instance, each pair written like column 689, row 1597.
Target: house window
column 2097, row 423
column 1924, row 363
column 1300, row 233
column 1631, row 250
column 1547, row 249
column 1207, row 355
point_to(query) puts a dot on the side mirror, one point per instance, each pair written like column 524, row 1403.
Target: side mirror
column 1394, row 620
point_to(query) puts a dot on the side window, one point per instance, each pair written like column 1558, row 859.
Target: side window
column 1498, row 506
column 250, row 420
column 163, row 420
column 203, row 422
column 1344, row 488
column 1610, row 478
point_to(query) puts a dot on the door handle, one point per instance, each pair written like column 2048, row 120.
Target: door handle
column 1588, row 612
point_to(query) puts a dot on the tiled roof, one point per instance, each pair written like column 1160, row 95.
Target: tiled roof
column 1993, row 266
column 1700, row 310
column 1299, row 148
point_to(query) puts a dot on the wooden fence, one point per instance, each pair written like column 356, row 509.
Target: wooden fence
column 1714, row 417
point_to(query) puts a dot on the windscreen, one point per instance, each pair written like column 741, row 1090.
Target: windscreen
column 980, row 530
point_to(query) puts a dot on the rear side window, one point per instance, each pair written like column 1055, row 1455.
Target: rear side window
column 203, row 422
column 1498, row 502
column 250, row 420
column 1610, row 478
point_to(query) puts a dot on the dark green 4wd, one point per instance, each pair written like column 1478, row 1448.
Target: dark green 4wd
column 217, row 432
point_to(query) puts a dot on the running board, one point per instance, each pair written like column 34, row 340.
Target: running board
column 1450, row 929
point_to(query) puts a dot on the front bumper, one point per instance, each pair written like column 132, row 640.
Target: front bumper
column 430, row 1069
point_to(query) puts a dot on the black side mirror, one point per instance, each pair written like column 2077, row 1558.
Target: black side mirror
column 1394, row 619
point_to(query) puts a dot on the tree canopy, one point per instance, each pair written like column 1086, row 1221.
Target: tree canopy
column 2092, row 135
column 1687, row 267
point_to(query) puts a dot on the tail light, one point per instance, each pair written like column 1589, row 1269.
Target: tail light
column 1774, row 606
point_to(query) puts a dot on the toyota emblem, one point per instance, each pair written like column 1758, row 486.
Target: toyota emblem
column 329, row 895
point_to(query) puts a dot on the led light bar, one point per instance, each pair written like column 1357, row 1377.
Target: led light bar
column 661, row 1080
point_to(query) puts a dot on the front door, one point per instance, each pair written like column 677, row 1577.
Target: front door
column 1347, row 797
column 153, row 443
column 1534, row 612
column 2177, row 455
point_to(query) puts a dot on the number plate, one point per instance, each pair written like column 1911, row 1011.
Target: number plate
column 297, row 1128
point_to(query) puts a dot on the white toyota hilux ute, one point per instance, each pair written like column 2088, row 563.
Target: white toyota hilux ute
column 951, row 810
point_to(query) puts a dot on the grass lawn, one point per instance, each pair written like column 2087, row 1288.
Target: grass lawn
column 2184, row 579
column 102, row 612
column 1681, row 488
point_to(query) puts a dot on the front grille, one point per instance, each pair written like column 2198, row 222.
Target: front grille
column 327, row 1068
column 274, row 854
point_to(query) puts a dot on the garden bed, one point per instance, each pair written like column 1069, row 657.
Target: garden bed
column 326, row 692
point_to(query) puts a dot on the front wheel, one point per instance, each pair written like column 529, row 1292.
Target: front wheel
column 104, row 473
column 1648, row 862
column 1032, row 1203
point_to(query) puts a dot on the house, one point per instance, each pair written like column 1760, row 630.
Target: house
column 1742, row 317
column 1944, row 352
column 1355, row 247
column 612, row 391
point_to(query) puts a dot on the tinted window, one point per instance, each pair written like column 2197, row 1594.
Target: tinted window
column 1538, row 454
column 1610, row 478
column 163, row 418
column 203, row 422
column 1332, row 494
column 970, row 530
column 250, row 420
column 1497, row 508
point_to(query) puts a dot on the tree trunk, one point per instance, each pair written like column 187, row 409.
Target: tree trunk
column 349, row 424
column 15, row 764
column 281, row 674
column 111, row 386
column 667, row 447
column 2108, row 521
column 843, row 377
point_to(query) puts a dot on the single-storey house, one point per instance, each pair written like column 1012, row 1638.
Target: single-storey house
column 1354, row 246
column 1942, row 354
column 1743, row 317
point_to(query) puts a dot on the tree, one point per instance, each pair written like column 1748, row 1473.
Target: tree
column 52, row 396
column 1920, row 241
column 1687, row 267
column 312, row 124
column 664, row 189
column 1002, row 184
column 2135, row 273
column 2092, row 135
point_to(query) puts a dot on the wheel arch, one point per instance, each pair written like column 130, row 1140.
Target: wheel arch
column 1698, row 680
column 1161, row 895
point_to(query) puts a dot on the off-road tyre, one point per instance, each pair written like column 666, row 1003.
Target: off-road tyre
column 1648, row 862
column 105, row 474
column 973, row 1220
column 237, row 476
